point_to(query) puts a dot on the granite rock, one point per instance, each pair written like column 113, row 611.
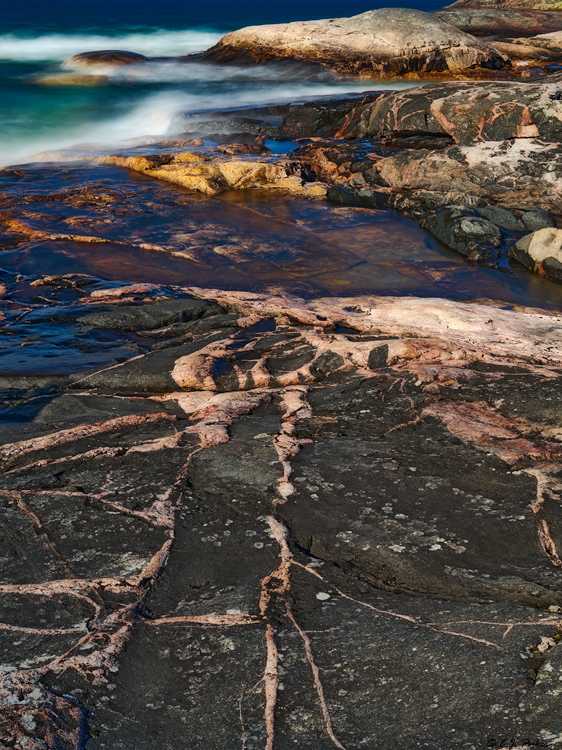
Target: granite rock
column 541, row 252
column 103, row 59
column 468, row 111
column 211, row 564
column 386, row 42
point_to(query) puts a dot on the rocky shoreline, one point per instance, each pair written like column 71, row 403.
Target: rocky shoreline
column 269, row 514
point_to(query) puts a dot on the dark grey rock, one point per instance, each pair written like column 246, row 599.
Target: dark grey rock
column 148, row 315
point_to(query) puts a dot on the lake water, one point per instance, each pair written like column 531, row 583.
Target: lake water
column 38, row 36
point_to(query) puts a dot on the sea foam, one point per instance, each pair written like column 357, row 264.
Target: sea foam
column 57, row 47
column 152, row 114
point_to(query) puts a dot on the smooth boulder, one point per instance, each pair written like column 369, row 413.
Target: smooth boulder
column 385, row 42
column 103, row 59
column 541, row 252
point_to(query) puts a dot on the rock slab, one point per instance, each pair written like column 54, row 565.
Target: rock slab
column 386, row 42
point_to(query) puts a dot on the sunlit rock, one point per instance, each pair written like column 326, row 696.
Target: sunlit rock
column 541, row 251
column 386, row 42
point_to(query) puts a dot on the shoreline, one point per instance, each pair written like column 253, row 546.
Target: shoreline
column 317, row 507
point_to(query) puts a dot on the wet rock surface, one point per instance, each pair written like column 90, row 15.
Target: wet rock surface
column 86, row 222
column 283, row 522
column 103, row 59
column 471, row 197
column 282, row 517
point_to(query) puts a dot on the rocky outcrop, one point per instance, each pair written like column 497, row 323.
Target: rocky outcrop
column 210, row 171
column 472, row 111
column 484, row 22
column 541, row 252
column 387, row 42
column 513, row 174
column 213, row 176
column 551, row 41
column 549, row 5
column 207, row 559
column 322, row 117
column 109, row 58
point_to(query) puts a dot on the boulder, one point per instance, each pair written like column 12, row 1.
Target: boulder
column 550, row 41
column 541, row 252
column 467, row 111
column 103, row 59
column 518, row 50
column 385, row 42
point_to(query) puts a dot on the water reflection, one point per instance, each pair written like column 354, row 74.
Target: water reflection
column 247, row 240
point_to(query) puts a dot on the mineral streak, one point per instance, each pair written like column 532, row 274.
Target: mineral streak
column 212, row 558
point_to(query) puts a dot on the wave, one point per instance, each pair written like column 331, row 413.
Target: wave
column 152, row 115
column 189, row 71
column 57, row 47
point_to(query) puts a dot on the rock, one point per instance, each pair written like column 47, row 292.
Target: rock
column 473, row 111
column 548, row 5
column 71, row 79
column 457, row 212
column 527, row 54
column 323, row 117
column 362, row 198
column 501, row 217
column 550, row 41
column 103, row 59
column 541, row 252
column 463, row 230
column 147, row 316
column 507, row 22
column 210, row 172
column 535, row 219
column 509, row 174
column 387, row 42
column 232, row 554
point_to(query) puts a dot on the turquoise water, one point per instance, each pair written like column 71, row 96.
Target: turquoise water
column 37, row 37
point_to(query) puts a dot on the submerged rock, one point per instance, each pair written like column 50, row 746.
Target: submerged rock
column 71, row 79
column 387, row 42
column 210, row 171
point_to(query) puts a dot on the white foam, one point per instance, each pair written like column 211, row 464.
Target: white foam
column 57, row 47
column 152, row 114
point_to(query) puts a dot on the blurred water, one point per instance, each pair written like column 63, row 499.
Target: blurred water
column 37, row 37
